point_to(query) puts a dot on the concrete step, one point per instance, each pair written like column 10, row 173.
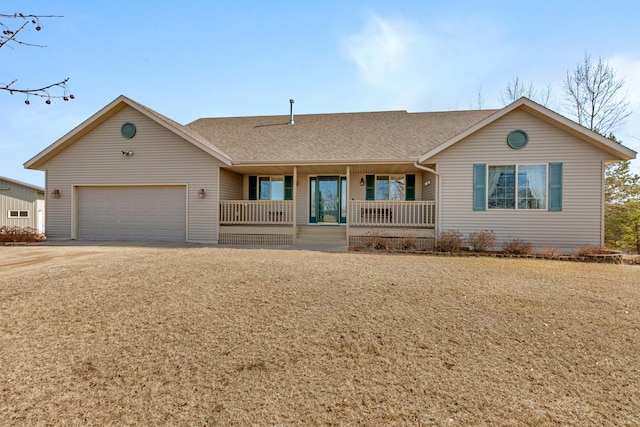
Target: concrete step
column 322, row 235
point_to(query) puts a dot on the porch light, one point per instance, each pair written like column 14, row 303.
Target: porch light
column 201, row 193
column 55, row 193
column 361, row 182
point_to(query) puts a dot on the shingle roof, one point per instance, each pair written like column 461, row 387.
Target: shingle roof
column 377, row 136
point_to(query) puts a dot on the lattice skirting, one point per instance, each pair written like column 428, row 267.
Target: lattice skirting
column 384, row 242
column 255, row 239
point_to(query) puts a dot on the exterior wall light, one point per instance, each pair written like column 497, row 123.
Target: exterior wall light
column 361, row 182
column 55, row 193
column 201, row 193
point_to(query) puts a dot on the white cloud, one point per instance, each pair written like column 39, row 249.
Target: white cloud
column 382, row 52
column 427, row 66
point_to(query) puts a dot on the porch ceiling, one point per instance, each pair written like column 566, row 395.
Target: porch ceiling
column 327, row 169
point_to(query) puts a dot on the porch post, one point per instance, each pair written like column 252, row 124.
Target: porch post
column 295, row 202
column 348, row 203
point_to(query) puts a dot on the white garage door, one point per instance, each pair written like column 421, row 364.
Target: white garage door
column 132, row 213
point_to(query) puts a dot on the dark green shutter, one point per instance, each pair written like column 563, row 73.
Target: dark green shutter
column 288, row 187
column 555, row 186
column 371, row 187
column 411, row 187
column 479, row 187
column 253, row 187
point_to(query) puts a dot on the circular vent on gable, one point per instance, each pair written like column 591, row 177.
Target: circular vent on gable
column 517, row 139
column 128, row 130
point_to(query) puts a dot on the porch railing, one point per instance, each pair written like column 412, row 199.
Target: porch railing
column 392, row 213
column 256, row 212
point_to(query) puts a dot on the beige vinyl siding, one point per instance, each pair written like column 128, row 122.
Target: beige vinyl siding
column 302, row 200
column 160, row 157
column 357, row 191
column 428, row 191
column 231, row 185
column 580, row 221
column 16, row 197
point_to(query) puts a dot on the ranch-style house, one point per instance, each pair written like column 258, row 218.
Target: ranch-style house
column 523, row 172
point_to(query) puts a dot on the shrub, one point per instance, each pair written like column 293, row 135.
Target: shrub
column 19, row 234
column 375, row 241
column 550, row 252
column 591, row 250
column 409, row 241
column 449, row 241
column 482, row 240
column 631, row 260
column 517, row 247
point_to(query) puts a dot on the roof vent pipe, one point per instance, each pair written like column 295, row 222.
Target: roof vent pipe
column 291, row 101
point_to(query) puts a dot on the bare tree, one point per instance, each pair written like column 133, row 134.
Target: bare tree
column 595, row 96
column 10, row 37
column 516, row 89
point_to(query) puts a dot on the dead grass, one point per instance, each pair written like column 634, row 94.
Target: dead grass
column 206, row 336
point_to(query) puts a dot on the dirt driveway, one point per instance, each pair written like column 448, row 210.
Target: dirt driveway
column 193, row 335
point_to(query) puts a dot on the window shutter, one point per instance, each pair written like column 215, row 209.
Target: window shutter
column 555, row 186
column 411, row 187
column 288, row 187
column 371, row 187
column 253, row 187
column 479, row 187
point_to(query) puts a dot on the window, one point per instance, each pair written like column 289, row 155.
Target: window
column 532, row 187
column 521, row 186
column 536, row 186
column 270, row 187
column 390, row 187
column 502, row 187
column 18, row 214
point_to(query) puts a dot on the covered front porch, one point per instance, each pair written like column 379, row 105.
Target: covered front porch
column 347, row 204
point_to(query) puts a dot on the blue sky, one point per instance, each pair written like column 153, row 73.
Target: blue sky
column 196, row 59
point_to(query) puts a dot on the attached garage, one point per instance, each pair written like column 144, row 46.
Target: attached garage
column 138, row 213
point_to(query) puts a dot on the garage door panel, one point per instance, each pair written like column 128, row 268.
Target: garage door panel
column 132, row 213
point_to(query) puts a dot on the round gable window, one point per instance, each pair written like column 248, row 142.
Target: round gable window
column 517, row 139
column 128, row 130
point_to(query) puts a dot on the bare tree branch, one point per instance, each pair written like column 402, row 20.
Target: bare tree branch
column 9, row 36
column 516, row 89
column 595, row 96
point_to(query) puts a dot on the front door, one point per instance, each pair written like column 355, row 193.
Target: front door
column 328, row 199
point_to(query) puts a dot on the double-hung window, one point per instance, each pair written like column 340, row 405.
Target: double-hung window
column 518, row 187
column 271, row 187
column 390, row 187
column 276, row 187
column 524, row 186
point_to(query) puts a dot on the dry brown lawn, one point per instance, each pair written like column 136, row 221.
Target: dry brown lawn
column 103, row 335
